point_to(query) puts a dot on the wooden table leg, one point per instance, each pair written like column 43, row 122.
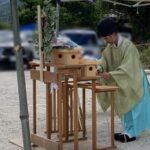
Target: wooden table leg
column 60, row 114
column 54, row 100
column 94, row 137
column 71, row 111
column 75, row 114
column 84, row 113
column 34, row 107
column 112, row 119
column 48, row 111
column 80, row 122
column 65, row 110
column 58, row 108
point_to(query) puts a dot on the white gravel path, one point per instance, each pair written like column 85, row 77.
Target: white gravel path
column 10, row 126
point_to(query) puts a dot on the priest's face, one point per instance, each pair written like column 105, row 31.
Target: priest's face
column 111, row 39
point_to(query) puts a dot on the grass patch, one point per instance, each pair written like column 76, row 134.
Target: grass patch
column 145, row 56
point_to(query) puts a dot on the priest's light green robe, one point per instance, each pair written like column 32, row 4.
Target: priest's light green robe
column 123, row 63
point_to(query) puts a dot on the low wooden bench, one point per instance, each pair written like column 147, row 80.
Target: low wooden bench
column 97, row 88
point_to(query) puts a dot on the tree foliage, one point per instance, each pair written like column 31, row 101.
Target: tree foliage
column 80, row 14
column 139, row 19
column 83, row 14
column 4, row 26
column 28, row 11
column 48, row 25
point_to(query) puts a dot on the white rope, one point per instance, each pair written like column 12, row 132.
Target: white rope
column 53, row 86
column 17, row 48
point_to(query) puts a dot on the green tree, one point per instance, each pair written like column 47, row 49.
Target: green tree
column 80, row 14
column 28, row 11
column 138, row 18
column 72, row 14
column 4, row 26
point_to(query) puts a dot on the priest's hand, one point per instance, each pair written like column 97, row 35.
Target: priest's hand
column 105, row 75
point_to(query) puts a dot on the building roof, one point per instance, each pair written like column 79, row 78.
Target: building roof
column 130, row 3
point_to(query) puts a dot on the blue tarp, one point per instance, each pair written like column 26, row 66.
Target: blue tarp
column 31, row 27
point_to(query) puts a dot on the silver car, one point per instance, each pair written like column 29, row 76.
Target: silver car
column 87, row 39
column 7, row 55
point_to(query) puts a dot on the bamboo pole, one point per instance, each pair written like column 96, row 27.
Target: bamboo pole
column 24, row 116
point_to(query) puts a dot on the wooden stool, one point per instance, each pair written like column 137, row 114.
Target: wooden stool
column 99, row 89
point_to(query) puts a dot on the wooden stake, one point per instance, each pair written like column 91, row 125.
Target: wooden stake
column 40, row 41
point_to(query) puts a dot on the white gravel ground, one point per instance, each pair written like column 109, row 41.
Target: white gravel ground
column 10, row 126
